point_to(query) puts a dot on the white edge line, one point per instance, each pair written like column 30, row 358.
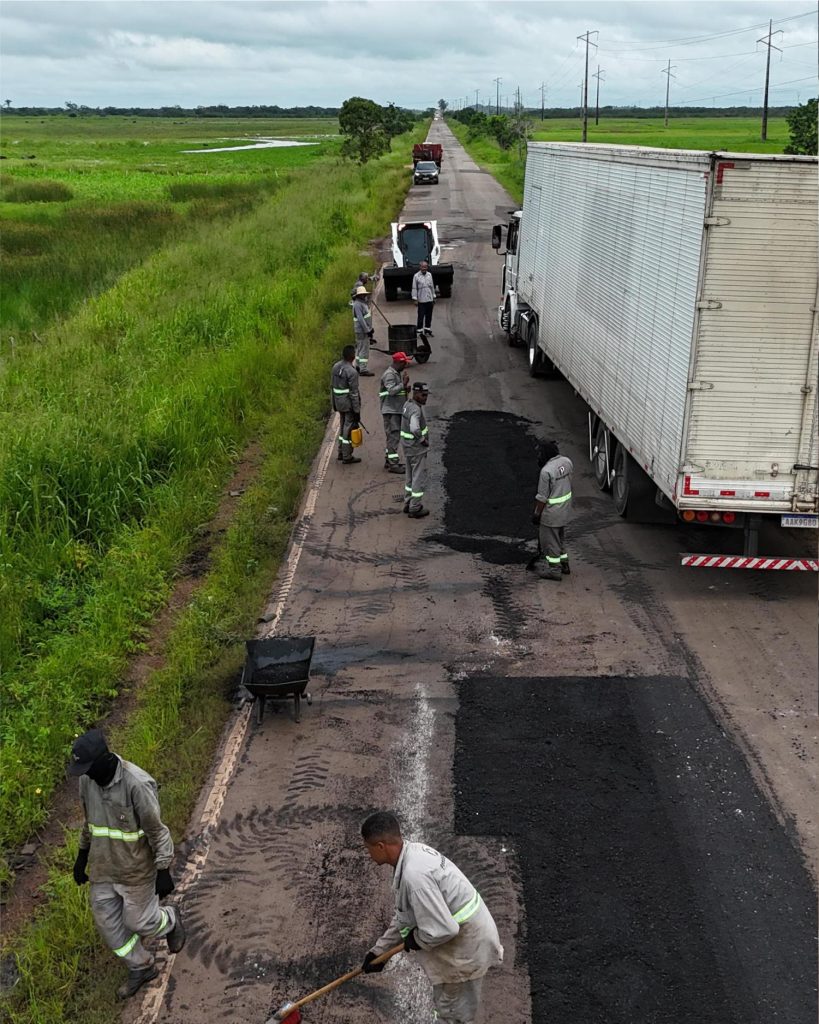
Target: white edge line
column 152, row 1001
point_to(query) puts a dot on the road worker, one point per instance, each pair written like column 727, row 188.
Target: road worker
column 125, row 852
column 553, row 504
column 440, row 916
column 363, row 279
column 363, row 328
column 423, row 294
column 393, row 395
column 346, row 401
column 415, row 439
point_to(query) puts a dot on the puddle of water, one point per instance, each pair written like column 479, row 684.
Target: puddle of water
column 261, row 144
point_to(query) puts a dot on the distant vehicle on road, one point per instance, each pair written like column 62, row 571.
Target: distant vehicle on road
column 426, row 171
column 676, row 291
column 413, row 243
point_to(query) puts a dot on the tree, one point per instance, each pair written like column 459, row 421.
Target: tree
column 362, row 123
column 442, row 105
column 8, row 104
column 396, row 120
column 802, row 126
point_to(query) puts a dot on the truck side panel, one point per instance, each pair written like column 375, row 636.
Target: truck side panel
column 610, row 259
column 756, row 351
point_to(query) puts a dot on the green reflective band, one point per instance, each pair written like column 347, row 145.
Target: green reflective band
column 424, row 432
column 383, row 394
column 559, row 501
column 163, row 920
column 552, row 561
column 341, row 391
column 405, row 932
column 406, row 436
column 129, row 945
column 394, row 455
column 564, row 558
column 466, row 912
column 408, row 489
column 344, row 440
column 102, row 832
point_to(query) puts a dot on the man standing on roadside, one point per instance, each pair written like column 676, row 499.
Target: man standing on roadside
column 346, row 402
column 423, row 293
column 393, row 395
column 362, row 281
column 553, row 504
column 363, row 328
column 415, row 439
column 127, row 852
column 440, row 916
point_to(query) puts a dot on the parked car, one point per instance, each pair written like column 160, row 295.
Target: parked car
column 425, row 171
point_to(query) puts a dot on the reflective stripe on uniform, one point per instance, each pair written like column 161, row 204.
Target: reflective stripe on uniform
column 553, row 561
column 394, row 455
column 424, row 431
column 405, row 932
column 103, row 832
column 341, row 391
column 559, row 501
column 163, row 920
column 129, row 945
column 417, row 494
column 466, row 912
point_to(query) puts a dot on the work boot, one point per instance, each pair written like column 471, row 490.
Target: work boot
column 428, row 333
column 176, row 936
column 406, row 508
column 350, row 461
column 419, row 513
column 546, row 572
column 564, row 567
column 340, row 455
column 396, row 467
column 137, row 977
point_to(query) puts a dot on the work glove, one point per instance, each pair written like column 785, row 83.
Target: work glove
column 536, row 518
column 371, row 335
column 410, row 942
column 368, row 967
column 164, row 883
column 80, row 877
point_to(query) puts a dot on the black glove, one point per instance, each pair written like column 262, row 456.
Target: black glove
column 164, row 883
column 536, row 518
column 371, row 335
column 80, row 877
column 368, row 967
column 410, row 942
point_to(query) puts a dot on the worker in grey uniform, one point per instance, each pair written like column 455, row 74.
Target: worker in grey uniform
column 423, row 294
column 363, row 328
column 415, row 439
column 393, row 395
column 346, row 401
column 553, row 504
column 440, row 916
column 363, row 279
column 125, row 852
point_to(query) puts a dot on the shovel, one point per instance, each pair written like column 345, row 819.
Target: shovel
column 289, row 1013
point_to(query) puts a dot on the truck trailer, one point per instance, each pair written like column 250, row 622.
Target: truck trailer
column 676, row 291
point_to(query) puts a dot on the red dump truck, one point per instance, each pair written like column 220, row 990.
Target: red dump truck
column 428, row 151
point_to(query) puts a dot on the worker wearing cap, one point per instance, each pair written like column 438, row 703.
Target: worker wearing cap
column 127, row 852
column 440, row 916
column 553, row 504
column 393, row 395
column 346, row 401
column 415, row 439
column 363, row 328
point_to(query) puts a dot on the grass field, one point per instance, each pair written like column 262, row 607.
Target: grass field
column 737, row 134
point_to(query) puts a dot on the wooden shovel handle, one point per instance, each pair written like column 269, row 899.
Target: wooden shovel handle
column 382, row 959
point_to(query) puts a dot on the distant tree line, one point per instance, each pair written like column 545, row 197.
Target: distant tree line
column 635, row 112
column 216, row 110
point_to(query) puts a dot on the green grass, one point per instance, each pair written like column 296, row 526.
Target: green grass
column 737, row 134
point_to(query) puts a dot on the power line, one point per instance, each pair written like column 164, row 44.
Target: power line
column 741, row 92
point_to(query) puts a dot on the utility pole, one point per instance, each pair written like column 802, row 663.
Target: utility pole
column 476, row 99
column 667, row 72
column 497, row 82
column 517, row 102
column 599, row 77
column 587, row 39
column 542, row 101
column 767, row 41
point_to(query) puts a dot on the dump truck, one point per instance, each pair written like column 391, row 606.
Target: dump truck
column 412, row 243
column 676, row 291
column 428, row 151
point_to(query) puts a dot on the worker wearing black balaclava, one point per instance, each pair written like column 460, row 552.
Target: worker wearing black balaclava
column 553, row 503
column 125, row 852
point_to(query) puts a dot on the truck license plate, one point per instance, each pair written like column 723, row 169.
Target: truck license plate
column 811, row 522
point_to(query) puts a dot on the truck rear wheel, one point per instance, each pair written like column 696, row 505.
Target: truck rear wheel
column 537, row 364
column 633, row 490
column 601, row 445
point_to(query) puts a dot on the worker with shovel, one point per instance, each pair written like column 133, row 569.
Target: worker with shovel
column 125, row 852
column 363, row 329
column 393, row 395
column 440, row 916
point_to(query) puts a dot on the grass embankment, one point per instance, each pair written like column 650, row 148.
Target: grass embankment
column 123, row 428
column 82, row 200
column 738, row 134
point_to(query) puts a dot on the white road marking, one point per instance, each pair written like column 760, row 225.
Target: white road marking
column 153, row 997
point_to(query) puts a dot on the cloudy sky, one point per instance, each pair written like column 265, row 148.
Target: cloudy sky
column 189, row 52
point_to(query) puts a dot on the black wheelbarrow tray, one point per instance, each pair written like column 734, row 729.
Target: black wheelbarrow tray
column 404, row 338
column 278, row 668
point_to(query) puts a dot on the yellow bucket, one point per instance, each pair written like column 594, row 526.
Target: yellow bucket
column 356, row 437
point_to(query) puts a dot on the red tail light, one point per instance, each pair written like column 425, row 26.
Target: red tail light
column 729, row 517
column 702, row 516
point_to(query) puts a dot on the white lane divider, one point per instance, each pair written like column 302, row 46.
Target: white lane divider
column 154, row 996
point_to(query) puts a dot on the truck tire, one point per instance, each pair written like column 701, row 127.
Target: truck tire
column 632, row 490
column 537, row 363
column 390, row 291
column 600, row 466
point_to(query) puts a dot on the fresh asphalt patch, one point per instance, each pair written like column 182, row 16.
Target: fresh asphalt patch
column 490, row 461
column 659, row 888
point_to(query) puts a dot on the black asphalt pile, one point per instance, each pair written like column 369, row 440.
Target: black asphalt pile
column 491, row 468
column 658, row 885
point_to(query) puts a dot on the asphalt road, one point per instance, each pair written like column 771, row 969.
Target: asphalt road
column 406, row 612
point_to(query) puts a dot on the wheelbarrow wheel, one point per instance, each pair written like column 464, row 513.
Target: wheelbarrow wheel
column 422, row 356
column 259, row 710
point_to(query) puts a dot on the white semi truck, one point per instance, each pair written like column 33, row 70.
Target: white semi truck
column 676, row 291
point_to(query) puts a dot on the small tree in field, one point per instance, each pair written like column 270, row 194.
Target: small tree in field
column 362, row 124
column 802, row 126
column 442, row 105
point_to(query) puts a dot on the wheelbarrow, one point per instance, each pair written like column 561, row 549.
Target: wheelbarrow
column 404, row 338
column 278, row 668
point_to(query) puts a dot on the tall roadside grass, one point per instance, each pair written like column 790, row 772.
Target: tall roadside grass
column 120, row 429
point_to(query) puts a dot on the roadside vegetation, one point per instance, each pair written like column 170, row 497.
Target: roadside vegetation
column 122, row 423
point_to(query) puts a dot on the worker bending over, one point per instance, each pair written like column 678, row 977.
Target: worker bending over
column 440, row 916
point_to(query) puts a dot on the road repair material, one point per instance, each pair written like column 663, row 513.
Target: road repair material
column 289, row 1012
